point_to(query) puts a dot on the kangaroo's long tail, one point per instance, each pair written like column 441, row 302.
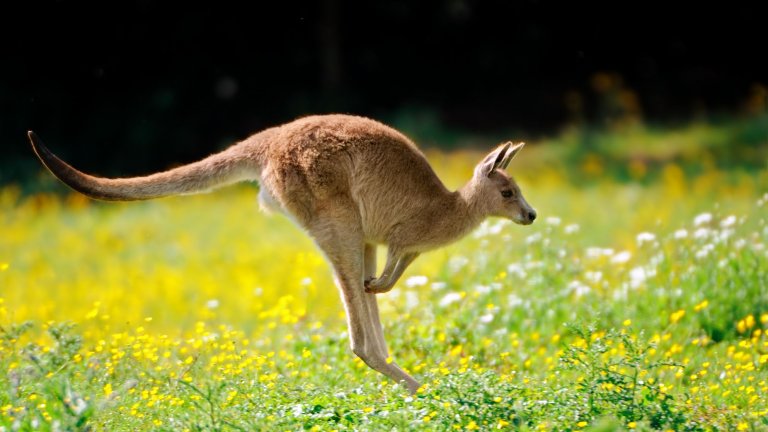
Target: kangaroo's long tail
column 230, row 166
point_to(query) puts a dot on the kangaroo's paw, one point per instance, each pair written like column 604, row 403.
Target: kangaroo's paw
column 376, row 286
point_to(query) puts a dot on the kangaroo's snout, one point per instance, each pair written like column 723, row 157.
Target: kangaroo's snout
column 531, row 215
column 526, row 217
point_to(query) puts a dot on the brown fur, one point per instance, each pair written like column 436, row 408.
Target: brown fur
column 352, row 183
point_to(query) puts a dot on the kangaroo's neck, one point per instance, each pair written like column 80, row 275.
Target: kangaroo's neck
column 454, row 215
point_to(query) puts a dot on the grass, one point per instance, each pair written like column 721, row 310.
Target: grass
column 639, row 303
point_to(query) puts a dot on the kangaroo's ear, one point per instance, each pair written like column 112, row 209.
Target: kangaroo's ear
column 511, row 154
column 492, row 161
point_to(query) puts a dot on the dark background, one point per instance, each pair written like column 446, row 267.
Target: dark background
column 134, row 86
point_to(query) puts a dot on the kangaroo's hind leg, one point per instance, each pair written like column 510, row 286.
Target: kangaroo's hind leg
column 342, row 242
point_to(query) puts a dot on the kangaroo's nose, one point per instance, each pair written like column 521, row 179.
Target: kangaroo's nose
column 532, row 215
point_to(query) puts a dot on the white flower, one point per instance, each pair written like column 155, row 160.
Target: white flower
column 645, row 237
column 596, row 252
column 450, row 298
column 437, row 286
column 483, row 289
column 456, row 263
column 701, row 233
column 212, row 304
column 593, row 276
column 705, row 250
column 514, row 300
column 728, row 222
column 533, row 238
column 572, row 228
column 498, row 226
column 681, row 234
column 578, row 288
column 415, row 281
column 517, row 270
column 621, row 257
column 486, row 318
column 638, row 275
column 703, row 218
column 552, row 220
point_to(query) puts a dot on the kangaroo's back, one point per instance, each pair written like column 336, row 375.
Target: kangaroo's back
column 320, row 158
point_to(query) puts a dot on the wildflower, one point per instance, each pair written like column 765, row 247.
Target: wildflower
column 699, row 307
column 578, row 288
column 596, row 252
column 571, row 229
column 533, row 238
column 703, row 218
column 681, row 234
column 502, row 423
column 702, row 233
column 676, row 316
column 450, row 298
column 212, row 304
column 581, row 424
column 631, row 425
column 645, row 237
column 593, row 276
column 552, row 220
column 416, row 281
column 638, row 275
column 621, row 257
column 627, row 322
column 437, row 286
column 514, row 300
column 728, row 222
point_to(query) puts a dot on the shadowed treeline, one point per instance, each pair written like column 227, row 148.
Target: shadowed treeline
column 151, row 84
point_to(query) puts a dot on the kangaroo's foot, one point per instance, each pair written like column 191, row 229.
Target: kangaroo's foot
column 377, row 285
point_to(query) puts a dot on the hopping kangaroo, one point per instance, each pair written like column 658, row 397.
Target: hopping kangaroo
column 352, row 184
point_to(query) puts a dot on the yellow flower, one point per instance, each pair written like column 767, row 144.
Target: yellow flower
column 627, row 322
column 742, row 426
column 108, row 389
column 701, row 306
column 455, row 351
column 472, row 426
column 632, row 425
column 581, row 424
column 676, row 316
column 501, row 424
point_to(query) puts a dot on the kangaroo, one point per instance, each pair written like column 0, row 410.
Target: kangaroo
column 352, row 183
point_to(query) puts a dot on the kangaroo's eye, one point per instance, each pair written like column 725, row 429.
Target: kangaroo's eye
column 507, row 193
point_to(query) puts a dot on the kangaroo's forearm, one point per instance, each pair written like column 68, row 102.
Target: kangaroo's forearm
column 394, row 268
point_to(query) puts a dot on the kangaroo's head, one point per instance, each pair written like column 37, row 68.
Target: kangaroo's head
column 495, row 192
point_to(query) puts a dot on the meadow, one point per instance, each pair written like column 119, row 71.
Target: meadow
column 637, row 301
